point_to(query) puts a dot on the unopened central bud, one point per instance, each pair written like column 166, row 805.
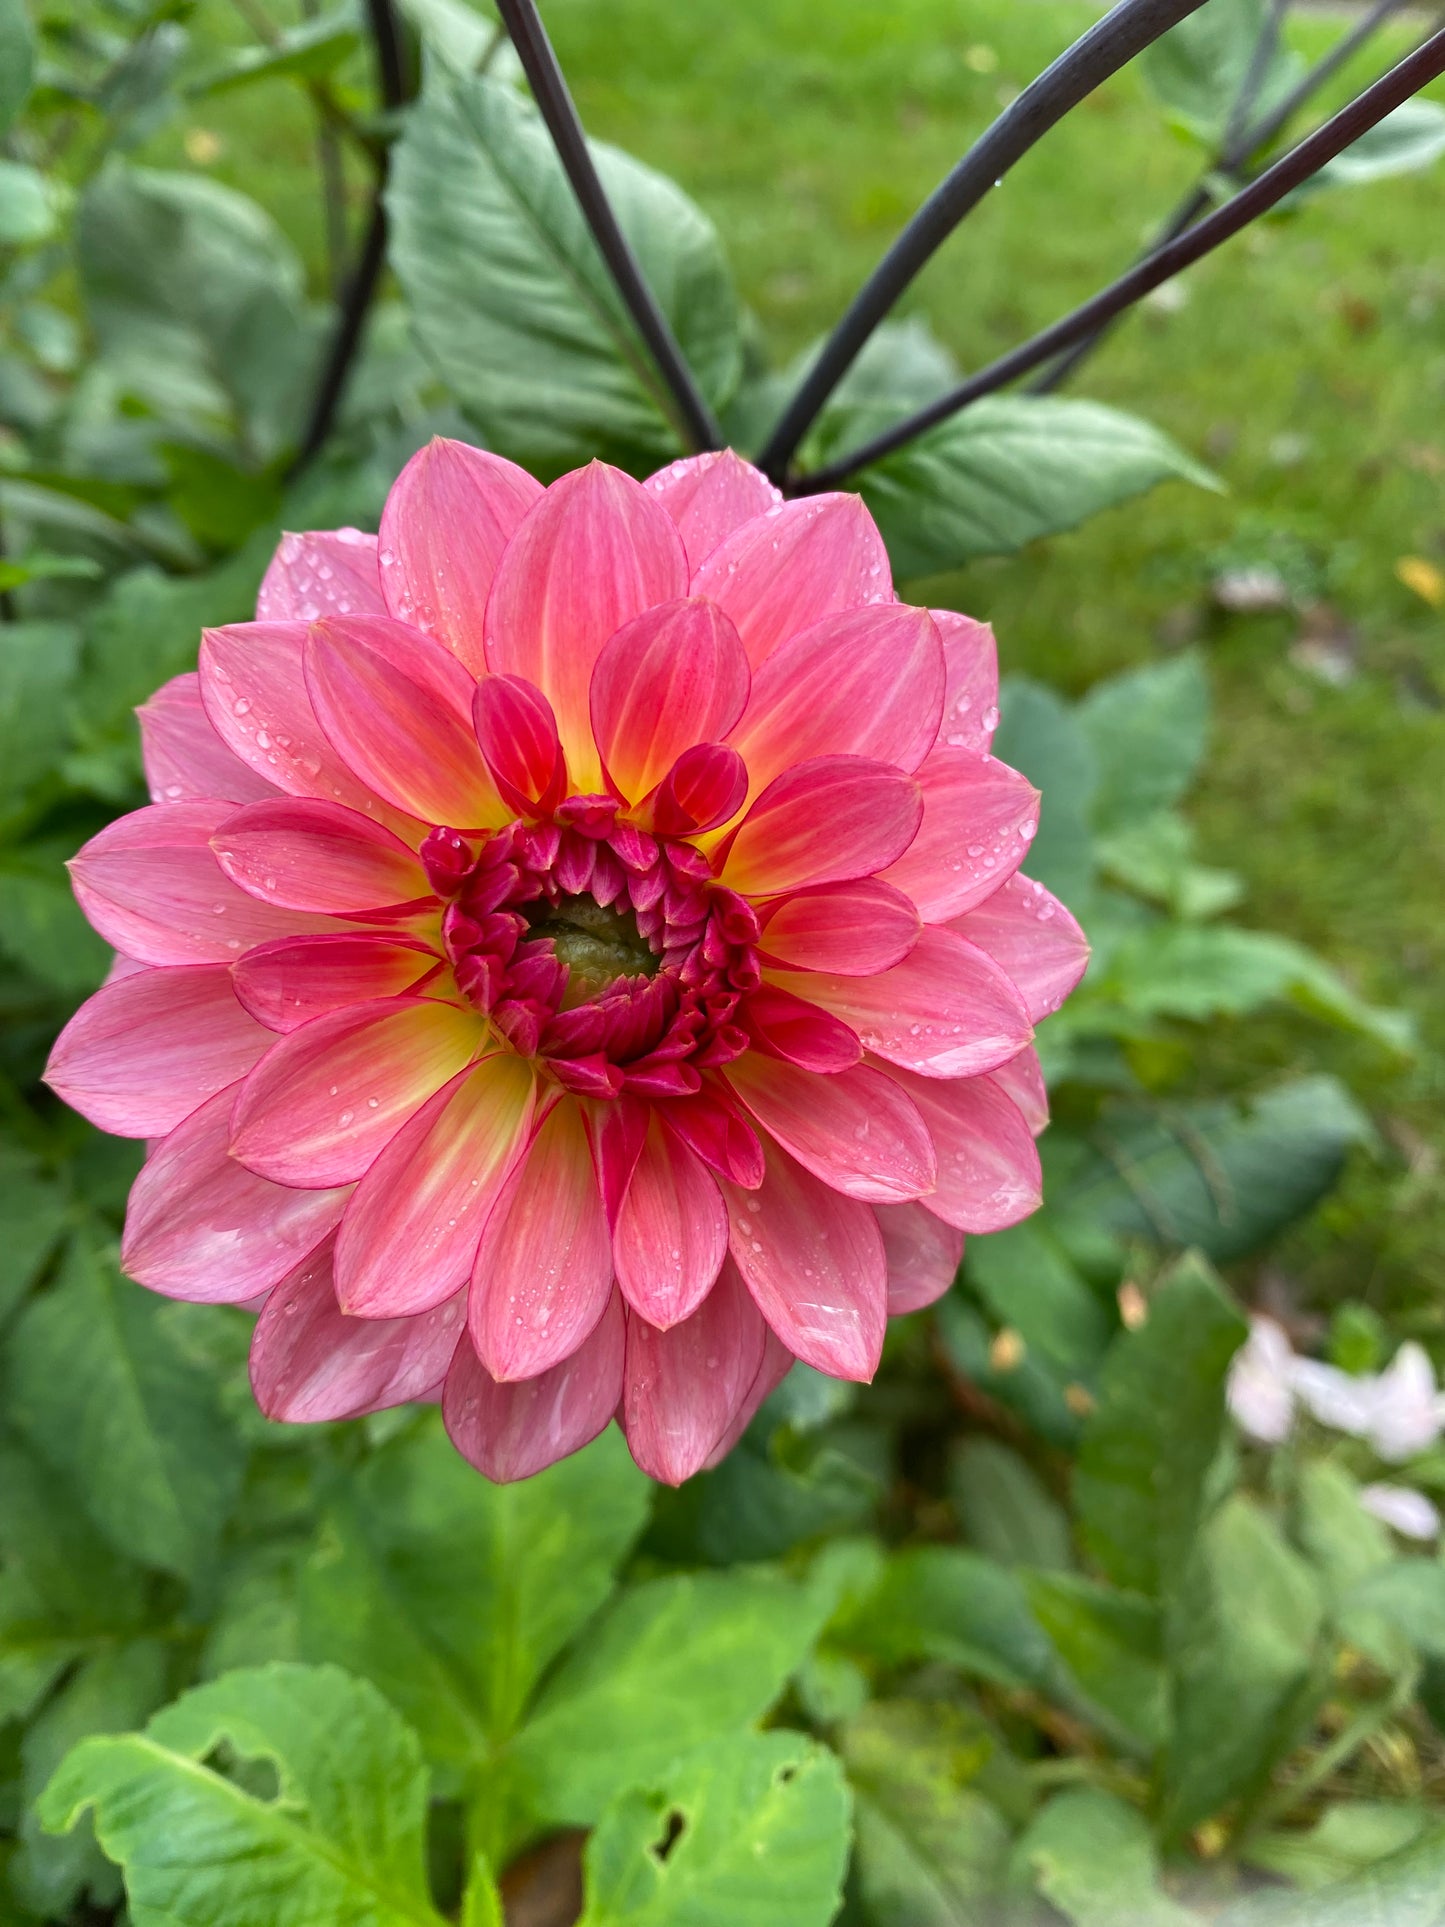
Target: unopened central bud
column 597, row 944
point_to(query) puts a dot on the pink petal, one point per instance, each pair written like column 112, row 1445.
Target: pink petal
column 673, row 676
column 254, row 690
column 398, row 708
column 329, row 572
column 146, row 1051
column 616, row 1130
column 410, row 1234
column 979, row 817
column 1035, row 940
column 518, row 736
column 672, row 1232
column 708, row 496
column 150, row 884
column 813, row 1262
column 852, row 929
column 790, row 1027
column 310, row 1362
column 201, row 1226
column 595, row 551
column 544, row 1268
column 1022, row 1079
column 684, row 1387
column 988, row 1165
column 287, row 983
column 788, row 568
column 302, row 855
column 857, row 1130
column 509, row 1431
column 778, row 1361
column 705, row 787
column 923, row 1256
column 449, row 515
column 184, row 757
column 970, row 702
column 327, row 1099
column 865, row 683
column 827, row 821
column 710, row 1125
column 947, row 1010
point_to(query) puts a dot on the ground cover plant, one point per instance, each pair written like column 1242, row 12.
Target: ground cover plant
column 1099, row 1602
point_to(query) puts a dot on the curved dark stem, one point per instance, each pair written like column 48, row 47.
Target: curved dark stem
column 1101, row 52
column 1232, row 159
column 1236, row 143
column 544, row 76
column 394, row 86
column 1392, row 90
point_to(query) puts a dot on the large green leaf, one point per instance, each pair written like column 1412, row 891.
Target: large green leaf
column 1093, row 1858
column 454, row 1594
column 198, row 300
column 930, row 1847
column 42, row 929
column 673, row 1664
column 308, row 51
column 1004, row 1507
column 1006, row 471
column 34, row 1211
column 340, row 1845
column 1411, row 138
column 1405, row 1890
column 1111, row 1643
column 1041, row 735
column 17, row 59
column 1198, row 69
column 37, row 666
column 1225, row 1177
column 511, row 298
column 95, row 1381
column 754, row 1829
column 1148, row 731
column 1028, row 1282
column 1139, row 1487
column 1242, row 1647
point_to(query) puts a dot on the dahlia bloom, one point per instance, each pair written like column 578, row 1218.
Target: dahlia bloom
column 575, row 962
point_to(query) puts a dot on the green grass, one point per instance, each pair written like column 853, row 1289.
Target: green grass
column 1307, row 364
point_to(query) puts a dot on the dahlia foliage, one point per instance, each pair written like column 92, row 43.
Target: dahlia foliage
column 575, row 962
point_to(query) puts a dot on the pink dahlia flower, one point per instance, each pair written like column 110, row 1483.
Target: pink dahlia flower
column 575, row 962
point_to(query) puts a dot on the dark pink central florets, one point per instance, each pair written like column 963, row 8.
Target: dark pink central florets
column 606, row 951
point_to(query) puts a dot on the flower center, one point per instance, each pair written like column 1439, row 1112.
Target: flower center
column 609, row 954
column 597, row 942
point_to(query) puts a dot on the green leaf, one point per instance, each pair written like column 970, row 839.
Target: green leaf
column 17, row 59
column 1348, row 1837
column 34, row 1212
column 1405, row 142
column 94, row 1380
column 1004, row 472
column 42, row 929
column 110, row 1693
column 1342, row 1541
column 1198, row 68
column 754, row 1830
column 27, row 202
column 1405, row 1890
column 1042, row 736
column 1155, row 859
column 671, row 1665
column 63, row 1592
column 198, row 300
column 1148, row 731
column 1147, row 1450
column 454, row 1594
column 502, row 274
column 1224, row 1177
column 1028, row 1282
column 1005, row 1509
column 1242, row 1645
column 1111, row 1643
column 341, row 1844
column 1409, row 1594
column 929, row 1846
column 38, row 662
column 482, row 1901
column 1184, row 970
column 308, row 51
column 1092, row 1857
column 457, row 34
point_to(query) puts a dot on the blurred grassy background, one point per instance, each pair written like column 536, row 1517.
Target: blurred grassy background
column 1307, row 364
